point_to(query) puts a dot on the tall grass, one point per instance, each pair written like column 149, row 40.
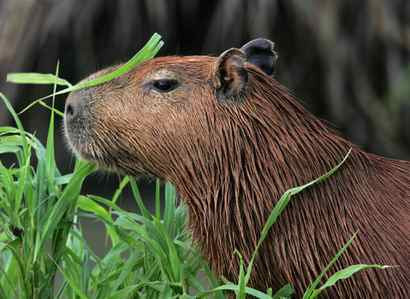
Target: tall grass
column 150, row 255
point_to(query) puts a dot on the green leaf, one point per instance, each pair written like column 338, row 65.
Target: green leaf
column 71, row 277
column 284, row 292
column 137, row 197
column 123, row 184
column 281, row 205
column 172, row 254
column 11, row 136
column 16, row 270
column 235, row 288
column 312, row 287
column 56, row 111
column 6, row 148
column 64, row 179
column 346, row 273
column 169, row 209
column 89, row 205
column 125, row 292
column 50, row 154
column 150, row 49
column 158, row 199
column 240, row 294
column 67, row 199
column 22, row 182
column 36, row 78
column 18, row 123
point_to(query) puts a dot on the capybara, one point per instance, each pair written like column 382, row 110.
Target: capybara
column 233, row 140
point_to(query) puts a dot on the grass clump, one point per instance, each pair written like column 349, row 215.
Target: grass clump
column 150, row 255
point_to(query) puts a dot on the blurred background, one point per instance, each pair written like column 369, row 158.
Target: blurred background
column 347, row 61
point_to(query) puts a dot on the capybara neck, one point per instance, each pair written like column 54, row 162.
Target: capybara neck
column 270, row 144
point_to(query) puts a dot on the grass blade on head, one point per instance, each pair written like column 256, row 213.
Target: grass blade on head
column 150, row 49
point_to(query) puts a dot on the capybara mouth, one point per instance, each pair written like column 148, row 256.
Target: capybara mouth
column 86, row 149
column 79, row 142
column 86, row 144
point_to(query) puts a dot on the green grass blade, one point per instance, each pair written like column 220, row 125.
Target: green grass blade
column 172, row 254
column 158, row 199
column 124, row 182
column 17, row 267
column 150, row 49
column 56, row 111
column 6, row 148
column 137, row 197
column 126, row 292
column 284, row 292
column 240, row 294
column 312, row 287
column 235, row 288
column 16, row 120
column 23, row 182
column 8, row 182
column 7, row 133
column 3, row 292
column 8, row 284
column 87, row 204
column 280, row 206
column 63, row 179
column 71, row 278
column 36, row 78
column 67, row 199
column 50, row 153
column 169, row 208
column 33, row 103
column 348, row 272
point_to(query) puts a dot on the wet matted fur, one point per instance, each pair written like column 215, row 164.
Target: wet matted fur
column 231, row 158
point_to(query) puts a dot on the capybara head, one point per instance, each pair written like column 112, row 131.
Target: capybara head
column 164, row 112
column 233, row 140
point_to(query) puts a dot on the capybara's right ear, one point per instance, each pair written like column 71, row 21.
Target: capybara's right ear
column 230, row 75
column 261, row 52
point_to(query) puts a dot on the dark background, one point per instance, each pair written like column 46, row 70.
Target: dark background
column 348, row 61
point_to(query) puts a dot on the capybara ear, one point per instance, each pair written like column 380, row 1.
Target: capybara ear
column 230, row 76
column 261, row 52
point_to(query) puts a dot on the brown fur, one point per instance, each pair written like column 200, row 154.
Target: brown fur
column 232, row 160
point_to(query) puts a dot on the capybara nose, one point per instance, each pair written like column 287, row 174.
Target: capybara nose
column 69, row 110
column 75, row 104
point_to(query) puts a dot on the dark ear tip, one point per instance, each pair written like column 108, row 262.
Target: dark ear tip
column 261, row 52
column 261, row 44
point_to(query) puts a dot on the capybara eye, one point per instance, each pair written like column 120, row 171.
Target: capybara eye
column 165, row 85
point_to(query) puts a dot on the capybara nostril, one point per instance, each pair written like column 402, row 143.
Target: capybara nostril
column 74, row 106
column 69, row 111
